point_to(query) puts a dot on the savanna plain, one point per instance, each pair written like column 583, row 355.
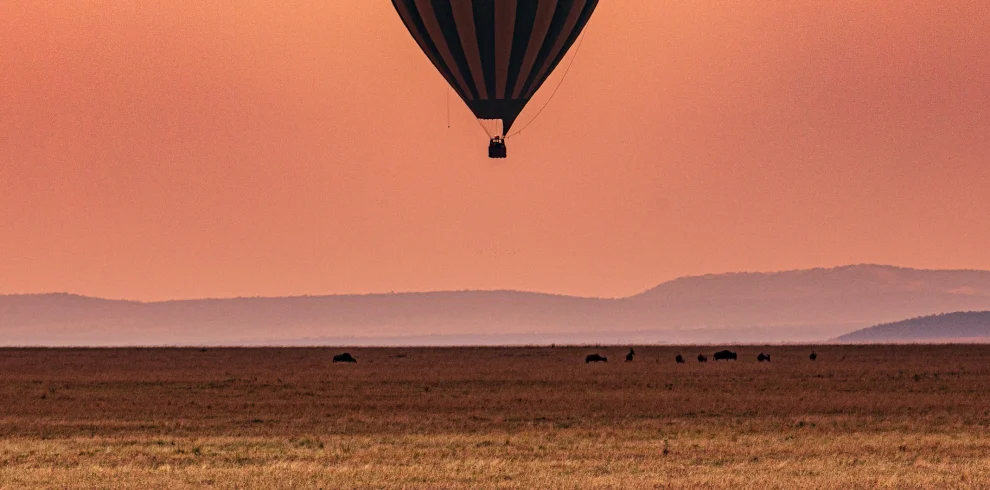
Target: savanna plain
column 908, row 416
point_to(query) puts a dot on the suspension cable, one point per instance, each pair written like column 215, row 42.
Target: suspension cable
column 485, row 128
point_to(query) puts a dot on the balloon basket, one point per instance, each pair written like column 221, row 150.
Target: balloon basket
column 496, row 148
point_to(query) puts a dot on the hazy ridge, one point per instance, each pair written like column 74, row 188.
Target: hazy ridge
column 789, row 306
column 961, row 326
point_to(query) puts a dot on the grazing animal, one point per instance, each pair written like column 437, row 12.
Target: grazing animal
column 595, row 358
column 679, row 359
column 702, row 358
column 629, row 356
column 813, row 356
column 725, row 355
column 763, row 357
column 345, row 357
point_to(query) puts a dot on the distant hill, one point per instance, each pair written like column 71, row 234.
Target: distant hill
column 963, row 326
column 790, row 306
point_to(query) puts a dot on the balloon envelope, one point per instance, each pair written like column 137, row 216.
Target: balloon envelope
column 495, row 53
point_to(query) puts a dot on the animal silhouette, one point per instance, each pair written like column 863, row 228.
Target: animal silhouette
column 725, row 355
column 345, row 357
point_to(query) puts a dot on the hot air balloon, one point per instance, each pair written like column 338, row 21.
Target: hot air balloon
column 495, row 54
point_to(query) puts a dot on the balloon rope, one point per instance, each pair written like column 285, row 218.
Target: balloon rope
column 561, row 82
column 485, row 128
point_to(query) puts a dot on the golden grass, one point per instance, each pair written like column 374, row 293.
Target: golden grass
column 859, row 417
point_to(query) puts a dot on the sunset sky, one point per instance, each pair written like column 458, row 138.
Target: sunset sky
column 180, row 148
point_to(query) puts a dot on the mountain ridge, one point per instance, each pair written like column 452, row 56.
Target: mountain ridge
column 966, row 326
column 677, row 280
column 796, row 305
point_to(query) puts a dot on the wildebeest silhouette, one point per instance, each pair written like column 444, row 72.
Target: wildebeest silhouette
column 629, row 356
column 763, row 357
column 595, row 358
column 813, row 356
column 702, row 358
column 345, row 357
column 679, row 359
column 725, row 355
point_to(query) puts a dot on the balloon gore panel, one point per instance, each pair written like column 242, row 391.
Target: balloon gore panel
column 495, row 53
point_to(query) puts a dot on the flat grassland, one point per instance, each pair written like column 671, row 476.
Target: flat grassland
column 859, row 417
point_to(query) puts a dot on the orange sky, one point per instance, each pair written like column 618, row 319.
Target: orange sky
column 180, row 148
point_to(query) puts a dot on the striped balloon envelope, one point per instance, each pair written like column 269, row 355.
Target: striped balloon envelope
column 495, row 54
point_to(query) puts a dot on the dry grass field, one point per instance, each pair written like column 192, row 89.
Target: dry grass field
column 859, row 417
